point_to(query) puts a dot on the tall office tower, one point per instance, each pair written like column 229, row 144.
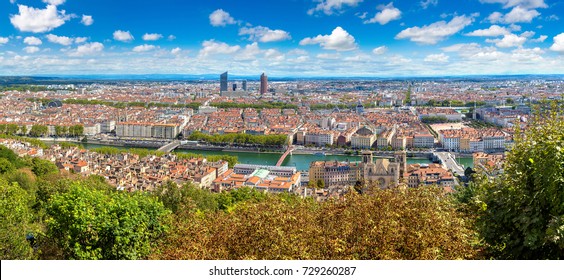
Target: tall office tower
column 263, row 83
column 223, row 82
column 244, row 85
column 234, row 87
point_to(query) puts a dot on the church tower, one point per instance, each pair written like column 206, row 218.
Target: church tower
column 401, row 158
column 367, row 157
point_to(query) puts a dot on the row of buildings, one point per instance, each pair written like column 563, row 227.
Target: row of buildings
column 383, row 172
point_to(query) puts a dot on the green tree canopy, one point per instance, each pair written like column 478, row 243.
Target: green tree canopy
column 16, row 217
column 96, row 224
column 521, row 213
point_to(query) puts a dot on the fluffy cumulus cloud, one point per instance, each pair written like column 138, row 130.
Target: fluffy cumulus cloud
column 332, row 6
column 61, row 40
column 519, row 14
column 80, row 40
column 540, row 39
column 264, row 34
column 437, row 58
column 152, row 36
column 34, row 20
column 435, row 32
column 123, row 36
column 144, row 48
column 380, row 50
column 31, row 49
column 532, row 4
column 87, row 20
column 87, row 49
column 220, row 17
column 175, row 51
column 250, row 52
column 212, row 47
column 558, row 45
column 493, row 31
column 426, row 3
column 508, row 41
column 54, row 2
column 32, row 41
column 387, row 13
column 339, row 40
column 4, row 40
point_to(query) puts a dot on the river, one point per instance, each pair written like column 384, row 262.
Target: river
column 301, row 162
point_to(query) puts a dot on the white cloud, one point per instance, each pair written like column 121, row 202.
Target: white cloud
column 492, row 31
column 211, row 47
column 437, row 58
column 176, row 51
column 4, row 40
column 380, row 50
column 87, row 20
column 540, row 39
column 328, row 56
column 264, row 34
column 144, row 48
column 61, row 40
column 339, row 40
column 508, row 41
column 32, row 41
column 123, row 36
column 250, row 52
column 558, row 45
column 34, row 20
column 87, row 49
column 53, row 2
column 220, row 17
column 330, row 6
column 31, row 49
column 80, row 40
column 425, row 4
column 530, row 4
column 514, row 27
column 387, row 14
column 519, row 14
column 435, row 32
column 171, row 37
column 152, row 36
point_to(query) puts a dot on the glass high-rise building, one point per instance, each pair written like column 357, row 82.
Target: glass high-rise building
column 244, row 85
column 263, row 83
column 223, row 82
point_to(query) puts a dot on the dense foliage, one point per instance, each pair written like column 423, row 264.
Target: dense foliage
column 193, row 105
column 434, row 119
column 94, row 224
column 240, row 138
column 521, row 213
column 388, row 224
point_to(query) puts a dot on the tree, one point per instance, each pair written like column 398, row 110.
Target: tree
column 97, row 224
column 521, row 214
column 38, row 130
column 320, row 184
column 418, row 223
column 5, row 166
column 16, row 217
column 41, row 167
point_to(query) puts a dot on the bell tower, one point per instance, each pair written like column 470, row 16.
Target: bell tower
column 401, row 158
column 367, row 157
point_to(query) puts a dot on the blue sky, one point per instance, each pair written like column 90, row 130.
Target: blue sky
column 282, row 38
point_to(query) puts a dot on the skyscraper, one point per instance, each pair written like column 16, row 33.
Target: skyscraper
column 234, row 87
column 263, row 83
column 244, row 85
column 223, row 82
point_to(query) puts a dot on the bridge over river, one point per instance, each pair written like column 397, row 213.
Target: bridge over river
column 170, row 146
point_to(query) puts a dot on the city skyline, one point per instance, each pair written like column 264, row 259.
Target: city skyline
column 310, row 38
